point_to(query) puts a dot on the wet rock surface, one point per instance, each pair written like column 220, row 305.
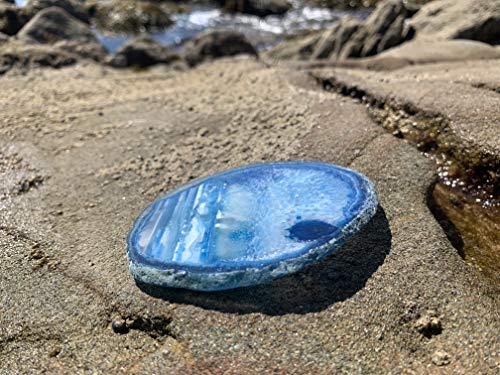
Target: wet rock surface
column 216, row 44
column 467, row 132
column 127, row 137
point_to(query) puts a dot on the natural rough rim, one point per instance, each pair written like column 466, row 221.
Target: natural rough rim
column 228, row 279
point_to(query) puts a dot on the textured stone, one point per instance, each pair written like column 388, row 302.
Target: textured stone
column 129, row 16
column 459, row 19
column 143, row 51
column 73, row 7
column 248, row 225
column 256, row 7
column 54, row 24
column 215, row 44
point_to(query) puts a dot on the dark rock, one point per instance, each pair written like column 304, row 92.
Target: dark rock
column 332, row 41
column 129, row 16
column 8, row 1
column 86, row 50
column 385, row 28
column 143, row 51
column 26, row 56
column 119, row 326
column 350, row 38
column 357, row 4
column 72, row 7
column 459, row 19
column 395, row 34
column 261, row 8
column 295, row 48
column 216, row 44
column 12, row 18
column 52, row 25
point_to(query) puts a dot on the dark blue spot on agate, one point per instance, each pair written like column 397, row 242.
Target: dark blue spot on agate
column 309, row 230
column 248, row 225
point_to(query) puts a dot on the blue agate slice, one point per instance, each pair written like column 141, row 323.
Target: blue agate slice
column 248, row 225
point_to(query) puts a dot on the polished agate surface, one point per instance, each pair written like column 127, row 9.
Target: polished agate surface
column 248, row 225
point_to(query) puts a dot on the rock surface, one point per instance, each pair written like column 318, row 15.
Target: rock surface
column 467, row 125
column 459, row 19
column 385, row 28
column 129, row 16
column 28, row 56
column 421, row 51
column 261, row 8
column 83, row 50
column 127, row 138
column 216, row 44
column 333, row 41
column 142, row 51
column 12, row 18
column 72, row 7
column 54, row 24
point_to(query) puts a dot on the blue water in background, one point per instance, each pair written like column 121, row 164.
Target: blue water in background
column 262, row 32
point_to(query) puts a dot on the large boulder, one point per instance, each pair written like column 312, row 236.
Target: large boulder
column 332, row 41
column 12, row 18
column 216, row 44
column 129, row 16
column 384, row 28
column 349, row 38
column 54, row 24
column 143, row 51
column 459, row 19
column 73, row 7
column 261, row 8
column 299, row 47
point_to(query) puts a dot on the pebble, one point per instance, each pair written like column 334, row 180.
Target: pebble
column 429, row 324
column 119, row 326
column 441, row 358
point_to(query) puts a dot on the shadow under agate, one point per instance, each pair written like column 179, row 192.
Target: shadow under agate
column 333, row 279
